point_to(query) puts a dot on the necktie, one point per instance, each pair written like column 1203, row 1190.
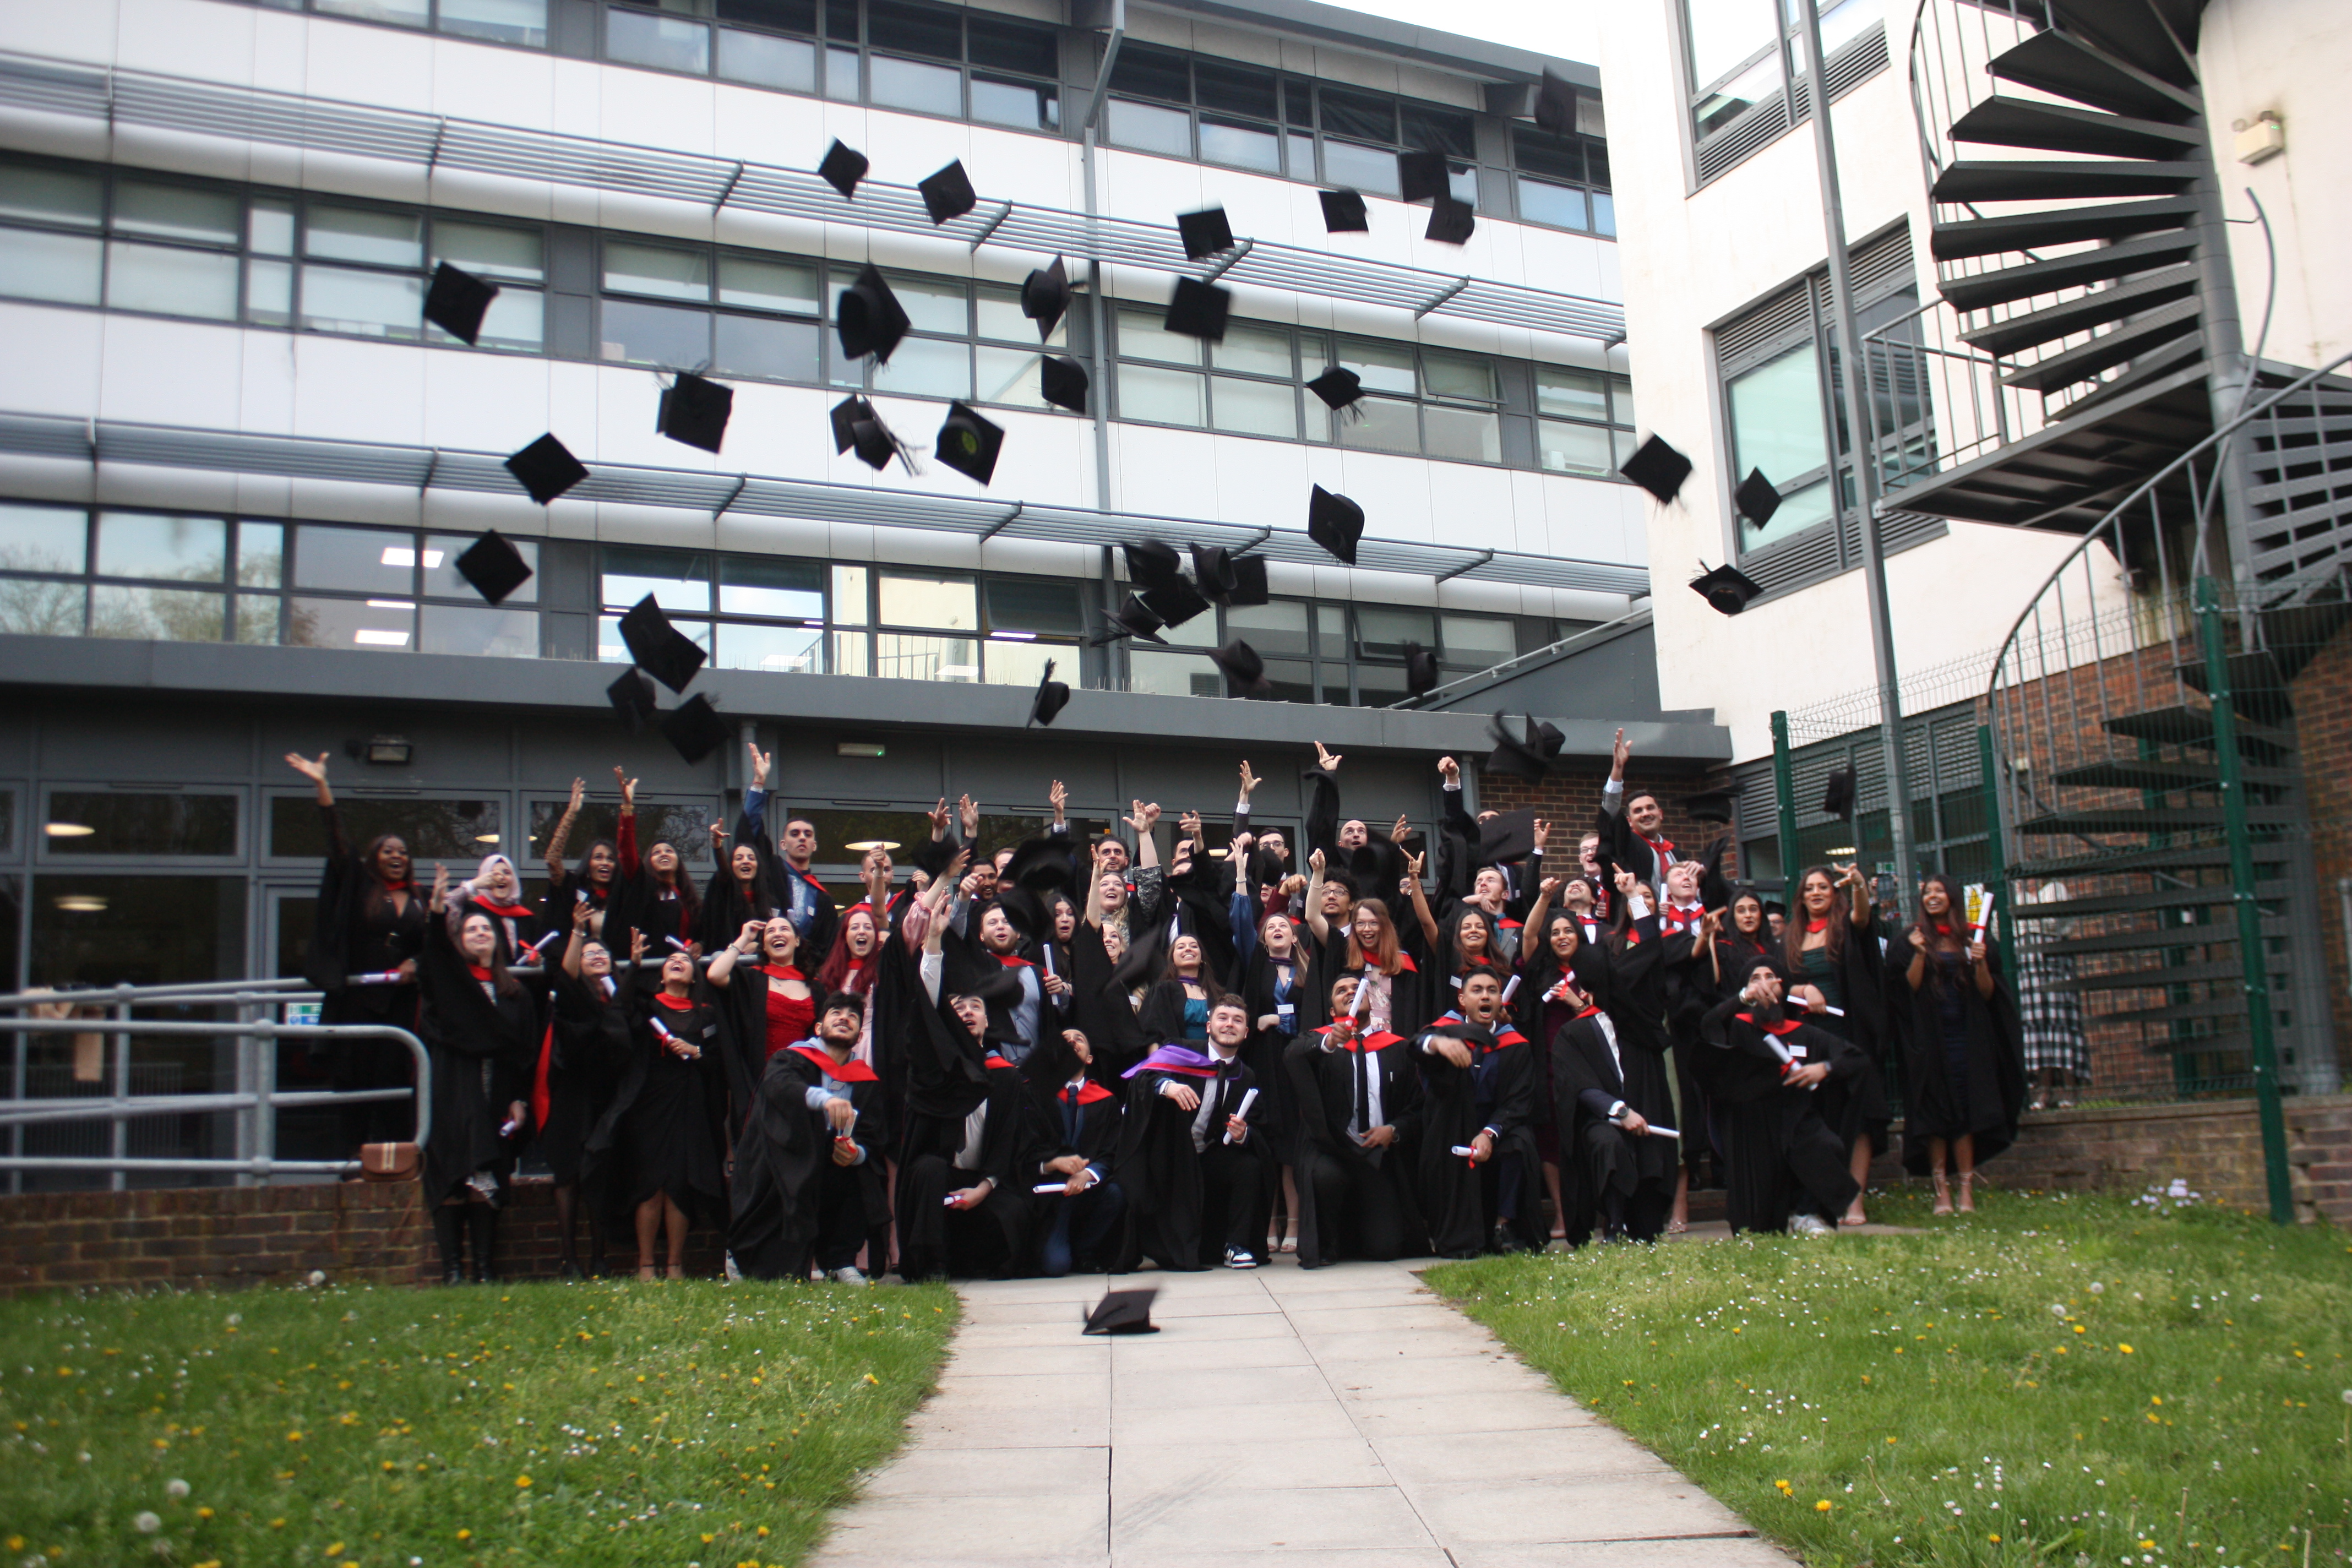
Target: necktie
column 1363, row 1093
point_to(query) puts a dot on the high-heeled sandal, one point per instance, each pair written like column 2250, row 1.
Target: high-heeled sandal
column 1943, row 1194
column 678, row 1271
column 1967, row 1192
column 645, row 1272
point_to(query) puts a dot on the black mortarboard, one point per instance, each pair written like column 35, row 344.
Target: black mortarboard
column 1756, row 498
column 1529, row 758
column 1339, row 387
column 1837, row 797
column 868, row 319
column 1775, row 907
column 1062, row 381
column 633, row 697
column 948, row 193
column 1041, row 864
column 1198, row 309
column 1728, row 588
column 1045, row 296
column 1335, row 522
column 1053, row 696
column 1175, row 602
column 1123, row 1312
column 1451, row 222
column 1420, row 669
column 1657, row 469
column 875, row 443
column 493, row 566
column 1509, row 836
column 968, row 443
column 1709, row 806
column 694, row 728
column 546, row 469
column 1213, row 569
column 457, row 301
column 694, row 411
column 1245, row 670
column 1249, row 582
column 845, row 417
column 1344, row 211
column 1420, row 176
column 661, row 650
column 1204, row 233
column 1133, row 619
column 843, row 167
column 1152, row 563
column 1555, row 103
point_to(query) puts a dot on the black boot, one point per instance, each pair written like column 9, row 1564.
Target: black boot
column 449, row 1236
column 1502, row 1239
column 482, row 1220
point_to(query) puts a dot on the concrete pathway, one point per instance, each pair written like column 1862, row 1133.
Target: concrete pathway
column 1344, row 1416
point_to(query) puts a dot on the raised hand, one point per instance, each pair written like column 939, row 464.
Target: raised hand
column 1328, row 761
column 1627, row 883
column 1058, row 798
column 1316, row 860
column 1402, row 831
column 1237, row 849
column 760, row 764
column 581, row 914
column 579, row 794
column 1189, row 825
column 1449, row 770
column 718, row 841
column 315, row 772
column 1620, row 754
column 1412, row 867
column 938, row 816
column 637, row 945
column 1918, row 939
column 1543, row 834
column 440, row 898
column 628, row 787
column 968, row 814
column 1250, row 781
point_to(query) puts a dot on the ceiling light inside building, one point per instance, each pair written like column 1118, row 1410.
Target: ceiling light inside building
column 70, row 830
column 82, row 903
column 867, row 845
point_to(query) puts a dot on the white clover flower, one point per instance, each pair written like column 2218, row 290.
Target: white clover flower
column 2098, row 1288
column 175, row 1487
column 146, row 1522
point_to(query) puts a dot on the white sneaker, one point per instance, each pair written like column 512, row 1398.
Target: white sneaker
column 1809, row 1225
column 1236, row 1258
column 849, row 1276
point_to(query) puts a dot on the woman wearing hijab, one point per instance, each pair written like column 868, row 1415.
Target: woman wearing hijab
column 590, row 882
column 1962, row 1065
column 580, row 1069
column 497, row 891
column 656, row 1156
column 653, row 893
column 369, row 930
column 1831, row 955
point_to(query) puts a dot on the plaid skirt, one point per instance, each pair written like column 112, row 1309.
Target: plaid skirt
column 2051, row 1017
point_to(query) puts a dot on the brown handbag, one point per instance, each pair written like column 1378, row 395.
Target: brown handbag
column 388, row 1161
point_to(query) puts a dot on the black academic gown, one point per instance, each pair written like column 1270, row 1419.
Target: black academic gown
column 784, row 1147
column 958, row 1078
column 1630, row 1177
column 1384, row 1214
column 1621, row 973
column 1963, row 1067
column 358, row 931
column 1855, row 1105
column 1776, row 1143
column 1274, row 1117
column 1099, row 1009
column 484, row 1043
column 586, row 1050
column 1161, row 1174
column 664, row 1131
column 1497, row 1091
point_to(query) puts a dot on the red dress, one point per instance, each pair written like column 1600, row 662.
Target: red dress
column 791, row 1020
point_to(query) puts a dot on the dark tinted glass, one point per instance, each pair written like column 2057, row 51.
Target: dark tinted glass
column 914, row 29
column 786, row 15
column 1298, row 104
column 1235, row 90
column 841, row 21
column 778, row 350
column 1009, row 46
column 1360, row 114
column 457, row 831
column 1439, row 130
column 1558, row 157
column 1596, row 163
column 145, row 931
column 1147, row 73
column 837, row 831
column 171, row 823
column 1018, row 606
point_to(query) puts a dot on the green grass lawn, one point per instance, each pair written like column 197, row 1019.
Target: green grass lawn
column 580, row 1425
column 2069, row 1380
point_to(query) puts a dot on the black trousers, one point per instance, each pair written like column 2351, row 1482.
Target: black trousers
column 837, row 1195
column 936, row 1241
column 1356, row 1205
column 1233, row 1203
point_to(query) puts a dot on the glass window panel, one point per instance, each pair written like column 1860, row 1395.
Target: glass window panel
column 1367, row 115
column 377, row 304
column 1752, row 86
column 1574, row 448
column 841, row 74
column 1624, row 442
column 1384, row 631
column 1275, row 628
column 1010, row 46
column 1010, row 376
column 485, row 631
column 255, row 617
column 1578, row 394
column 789, row 65
column 1604, row 213
column 1009, row 662
column 1298, row 103
column 1236, row 89
column 60, row 266
column 442, row 580
column 655, row 335
column 1444, row 131
column 406, row 13
column 779, row 650
column 49, row 196
column 1621, row 398
column 171, row 281
column 1254, row 351
column 1463, row 185
column 1799, row 509
column 658, row 269
column 1150, row 72
column 434, row 829
column 1143, row 337
column 849, row 595
column 42, row 609
column 1373, row 170
column 159, row 615
column 1479, row 640
column 1331, row 640
column 1776, row 418
column 911, row 84
column 1383, row 368
column 763, row 585
column 898, row 657
column 43, row 538
column 502, row 21
column 1288, row 680
column 1387, row 426
column 1021, row 604
column 269, row 227
column 786, row 15
column 1147, row 127
column 492, row 250
column 1029, row 105
column 848, row 653
column 269, row 293
column 946, row 603
column 768, row 285
column 611, row 649
column 677, row 579
column 361, row 234
column 383, row 623
column 763, row 347
column 1469, row 376
column 176, row 212
column 362, row 560
column 1378, row 685
column 1173, row 674
column 1301, row 155
column 1723, row 32
column 935, row 304
column 1201, row 631
column 1557, row 157
column 517, row 318
column 1000, row 318
column 662, row 42
column 1255, row 407
column 1561, row 206
column 260, row 554
column 1159, row 397
column 1464, row 435
column 927, row 367
column 186, row 549
column 917, row 29
column 127, row 824
column 1843, row 23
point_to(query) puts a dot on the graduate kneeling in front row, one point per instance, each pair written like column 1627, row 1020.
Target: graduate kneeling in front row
column 1200, row 1187
column 846, row 1198
column 1788, row 1167
column 1479, row 1078
column 1077, row 1219
column 1358, row 1093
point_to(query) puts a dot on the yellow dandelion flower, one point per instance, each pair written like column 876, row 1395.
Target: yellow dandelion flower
column 2125, row 1349
column 465, row 1535
column 334, row 1551
column 203, row 1513
column 1822, row 1506
column 524, row 1482
column 1994, row 1539
column 763, row 1532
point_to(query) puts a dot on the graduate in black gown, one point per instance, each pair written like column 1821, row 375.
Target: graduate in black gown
column 1479, row 1081
column 1832, row 959
column 1611, row 1079
column 580, row 1062
column 1964, row 1068
column 1196, row 1184
column 1358, row 1090
column 652, row 891
column 809, row 1163
column 1271, row 978
column 1104, row 972
column 1077, row 1227
column 656, row 1158
column 590, row 882
column 1785, row 1164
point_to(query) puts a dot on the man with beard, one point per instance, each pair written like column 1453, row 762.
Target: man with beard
column 1765, row 1067
column 1479, row 1078
column 808, row 1167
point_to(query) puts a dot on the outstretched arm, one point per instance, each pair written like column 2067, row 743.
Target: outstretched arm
column 562, row 837
column 1315, row 921
column 1419, row 899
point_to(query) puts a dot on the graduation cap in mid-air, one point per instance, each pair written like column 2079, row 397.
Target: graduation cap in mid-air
column 659, row 649
column 1152, row 563
column 1213, row 569
column 1526, row 758
column 1123, row 1312
column 1335, row 522
column 694, row 728
column 1756, row 498
column 1451, row 221
column 1424, row 175
column 1062, row 381
column 868, row 319
column 633, row 697
column 1728, row 588
column 456, row 301
column 1506, row 835
column 1245, row 670
column 1199, row 309
column 1340, row 389
column 843, row 167
column 1710, row 806
column 1040, row 863
column 1204, row 233
column 1837, row 797
column 1555, row 103
column 1133, row 619
column 947, row 195
column 1053, row 696
column 1175, row 602
column 495, row 567
column 1249, row 582
column 968, row 443
column 1420, row 669
column 1344, row 211
column 546, row 469
column 1658, row 468
column 857, row 427
column 694, row 411
column 1046, row 297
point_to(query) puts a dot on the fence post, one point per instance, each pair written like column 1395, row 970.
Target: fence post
column 1997, row 884
column 2251, row 958
column 1784, row 790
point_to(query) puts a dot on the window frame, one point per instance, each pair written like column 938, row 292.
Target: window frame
column 45, row 857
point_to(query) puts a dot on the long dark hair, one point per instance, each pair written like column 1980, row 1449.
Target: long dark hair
column 1951, row 934
column 378, row 891
column 501, row 978
column 1834, row 935
column 690, row 902
column 581, row 879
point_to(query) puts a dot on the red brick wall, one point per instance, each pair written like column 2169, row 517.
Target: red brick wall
column 1567, row 799
column 2215, row 1146
column 2322, row 718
